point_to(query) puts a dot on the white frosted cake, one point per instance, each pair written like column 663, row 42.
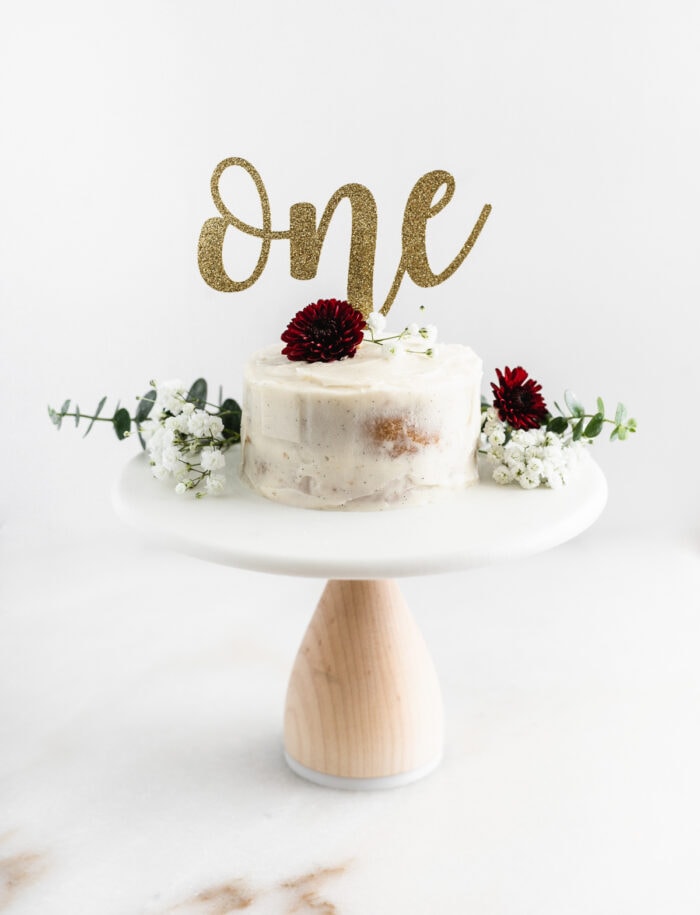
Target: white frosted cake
column 364, row 432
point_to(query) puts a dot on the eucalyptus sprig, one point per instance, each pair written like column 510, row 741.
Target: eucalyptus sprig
column 121, row 419
column 586, row 426
column 185, row 434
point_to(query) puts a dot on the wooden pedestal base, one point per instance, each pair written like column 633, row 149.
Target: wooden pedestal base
column 363, row 700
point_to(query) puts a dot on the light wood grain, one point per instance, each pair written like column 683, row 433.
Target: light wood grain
column 364, row 699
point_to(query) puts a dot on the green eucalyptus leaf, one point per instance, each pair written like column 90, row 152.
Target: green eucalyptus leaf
column 558, row 425
column 620, row 414
column 615, row 433
column 121, row 422
column 558, row 408
column 631, row 425
column 595, row 426
column 145, row 406
column 578, row 430
column 97, row 413
column 77, row 415
column 622, row 433
column 230, row 414
column 143, row 412
column 575, row 407
column 198, row 393
column 61, row 413
column 600, row 405
column 54, row 417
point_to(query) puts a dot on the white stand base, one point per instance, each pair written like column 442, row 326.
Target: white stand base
column 361, row 784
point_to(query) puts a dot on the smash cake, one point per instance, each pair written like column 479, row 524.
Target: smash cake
column 348, row 420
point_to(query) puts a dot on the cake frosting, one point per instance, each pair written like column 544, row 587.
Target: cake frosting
column 365, row 432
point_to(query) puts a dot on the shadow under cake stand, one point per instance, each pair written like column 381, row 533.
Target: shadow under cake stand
column 363, row 708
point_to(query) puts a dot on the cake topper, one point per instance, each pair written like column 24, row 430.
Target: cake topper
column 306, row 236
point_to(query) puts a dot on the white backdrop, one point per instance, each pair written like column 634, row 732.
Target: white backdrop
column 140, row 693
column 576, row 123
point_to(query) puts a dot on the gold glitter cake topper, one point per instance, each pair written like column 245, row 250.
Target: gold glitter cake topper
column 306, row 236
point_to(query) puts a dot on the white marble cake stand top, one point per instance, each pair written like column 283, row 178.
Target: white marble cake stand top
column 473, row 527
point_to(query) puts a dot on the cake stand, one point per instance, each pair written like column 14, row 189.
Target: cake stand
column 363, row 706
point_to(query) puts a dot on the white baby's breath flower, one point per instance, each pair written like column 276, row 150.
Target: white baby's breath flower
column 214, row 484
column 212, row 459
column 177, row 423
column 154, row 434
column 529, row 479
column 199, row 424
column 496, row 452
column 554, row 439
column 216, row 427
column 391, row 349
column 553, row 450
column 170, row 458
column 503, row 474
column 376, row 322
column 553, row 477
column 497, row 435
column 429, row 333
column 170, row 396
column 514, row 455
column 413, row 330
column 181, row 488
column 527, row 437
column 147, row 428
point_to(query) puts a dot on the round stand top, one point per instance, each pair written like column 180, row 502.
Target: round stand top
column 476, row 526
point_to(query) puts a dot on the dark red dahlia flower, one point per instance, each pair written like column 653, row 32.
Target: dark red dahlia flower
column 324, row 331
column 518, row 400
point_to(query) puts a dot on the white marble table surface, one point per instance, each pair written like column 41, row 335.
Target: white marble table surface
column 141, row 766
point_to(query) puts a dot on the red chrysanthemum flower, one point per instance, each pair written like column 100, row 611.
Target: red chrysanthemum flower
column 518, row 400
column 324, row 331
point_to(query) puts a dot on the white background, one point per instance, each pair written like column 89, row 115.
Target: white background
column 577, row 122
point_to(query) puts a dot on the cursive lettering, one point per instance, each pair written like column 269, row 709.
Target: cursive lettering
column 306, row 237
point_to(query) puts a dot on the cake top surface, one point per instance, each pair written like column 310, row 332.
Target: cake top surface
column 368, row 368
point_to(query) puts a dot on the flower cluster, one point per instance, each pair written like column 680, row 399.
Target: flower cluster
column 527, row 444
column 185, row 436
column 412, row 339
column 184, row 442
column 530, row 457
